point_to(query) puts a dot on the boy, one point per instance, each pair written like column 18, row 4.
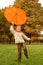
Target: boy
column 19, row 40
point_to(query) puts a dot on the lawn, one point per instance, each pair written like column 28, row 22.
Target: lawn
column 8, row 55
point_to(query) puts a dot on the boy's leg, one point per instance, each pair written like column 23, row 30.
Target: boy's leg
column 25, row 50
column 19, row 52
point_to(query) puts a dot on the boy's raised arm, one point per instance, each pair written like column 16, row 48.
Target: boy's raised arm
column 12, row 29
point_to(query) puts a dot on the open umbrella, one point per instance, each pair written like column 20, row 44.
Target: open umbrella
column 15, row 15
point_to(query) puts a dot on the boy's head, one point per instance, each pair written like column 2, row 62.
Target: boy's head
column 18, row 27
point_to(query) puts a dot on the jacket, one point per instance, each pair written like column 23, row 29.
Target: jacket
column 18, row 36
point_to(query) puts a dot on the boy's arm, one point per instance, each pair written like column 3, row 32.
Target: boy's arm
column 12, row 29
column 25, row 37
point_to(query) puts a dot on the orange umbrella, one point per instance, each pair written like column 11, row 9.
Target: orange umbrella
column 15, row 15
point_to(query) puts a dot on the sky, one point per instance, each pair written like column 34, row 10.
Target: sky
column 6, row 3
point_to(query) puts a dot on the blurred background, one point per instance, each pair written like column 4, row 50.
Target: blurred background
column 33, row 27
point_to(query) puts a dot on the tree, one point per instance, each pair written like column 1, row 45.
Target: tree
column 34, row 12
column 4, row 27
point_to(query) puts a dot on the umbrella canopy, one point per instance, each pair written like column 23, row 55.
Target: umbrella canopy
column 15, row 15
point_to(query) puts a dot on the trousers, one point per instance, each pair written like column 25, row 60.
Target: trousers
column 20, row 46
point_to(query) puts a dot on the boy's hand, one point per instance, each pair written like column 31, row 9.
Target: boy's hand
column 29, row 38
column 12, row 23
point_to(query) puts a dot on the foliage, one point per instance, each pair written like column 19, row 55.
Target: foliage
column 33, row 10
column 4, row 27
column 34, row 13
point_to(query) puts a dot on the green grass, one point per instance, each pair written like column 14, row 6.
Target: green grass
column 8, row 55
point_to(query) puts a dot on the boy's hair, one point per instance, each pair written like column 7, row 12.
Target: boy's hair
column 10, row 23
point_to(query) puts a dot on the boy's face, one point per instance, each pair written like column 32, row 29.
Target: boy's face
column 18, row 28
